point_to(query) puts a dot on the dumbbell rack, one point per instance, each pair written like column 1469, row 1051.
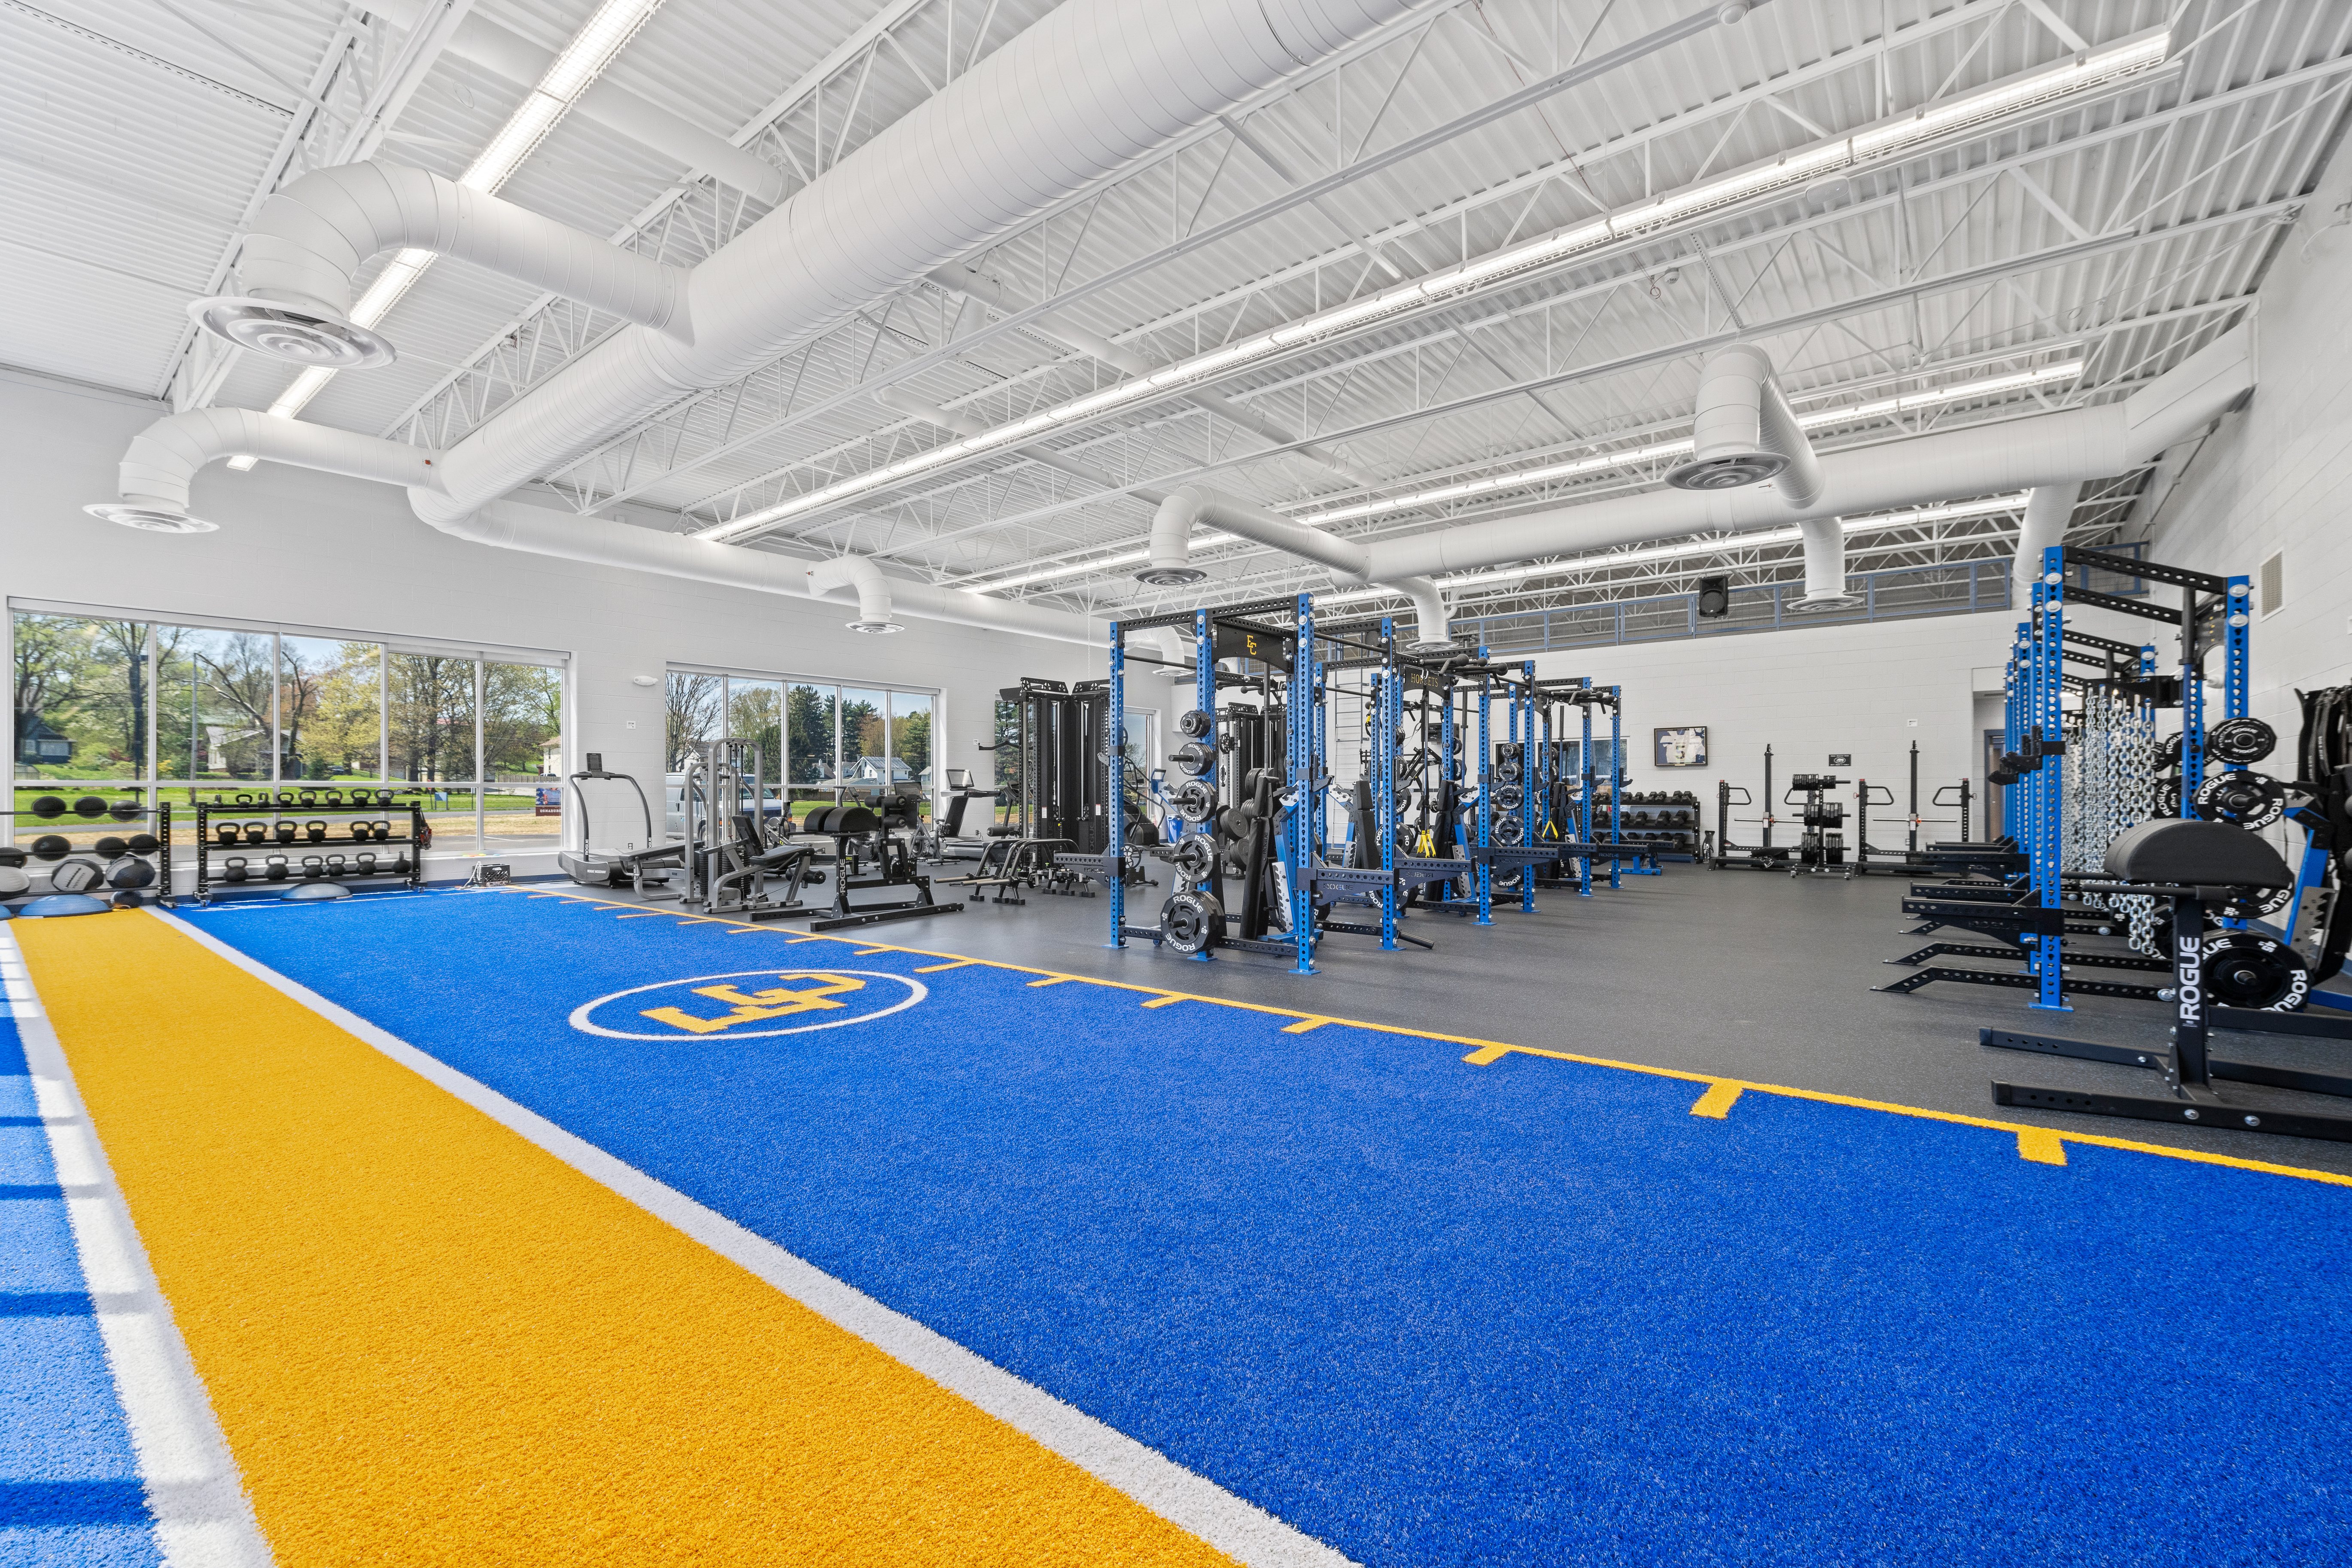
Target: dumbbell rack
column 76, row 822
column 411, row 846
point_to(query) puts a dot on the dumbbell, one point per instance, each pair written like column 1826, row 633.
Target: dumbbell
column 48, row 806
column 316, row 832
column 232, row 870
column 91, row 805
column 274, row 867
column 312, row 866
column 226, row 832
column 285, row 833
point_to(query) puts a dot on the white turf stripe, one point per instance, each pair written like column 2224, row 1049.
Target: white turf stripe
column 1232, row 1525
column 203, row 1517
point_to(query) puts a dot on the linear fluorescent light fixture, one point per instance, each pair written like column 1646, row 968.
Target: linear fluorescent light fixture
column 2085, row 71
column 1520, row 479
column 1991, row 506
column 584, row 59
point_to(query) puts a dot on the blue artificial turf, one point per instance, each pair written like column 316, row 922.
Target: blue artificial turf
column 70, row 1488
column 1530, row 1313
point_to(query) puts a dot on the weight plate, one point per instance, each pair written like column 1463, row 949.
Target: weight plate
column 1192, row 857
column 1188, row 921
column 1195, row 724
column 2241, row 741
column 2243, row 970
column 1194, row 800
column 1508, row 797
column 2253, row 903
column 1508, row 769
column 1194, row 758
column 2246, row 799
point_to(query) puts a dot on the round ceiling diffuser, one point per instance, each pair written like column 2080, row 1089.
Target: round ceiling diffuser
column 1168, row 576
column 153, row 518
column 875, row 628
column 302, row 336
column 1726, row 470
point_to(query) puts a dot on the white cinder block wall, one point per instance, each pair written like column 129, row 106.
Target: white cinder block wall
column 323, row 551
column 1869, row 692
column 2275, row 477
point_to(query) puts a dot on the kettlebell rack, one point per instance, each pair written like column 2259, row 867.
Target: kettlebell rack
column 294, row 842
column 116, row 867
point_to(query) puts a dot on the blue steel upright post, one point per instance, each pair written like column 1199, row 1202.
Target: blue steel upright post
column 1388, row 685
column 1486, row 791
column 1584, row 807
column 1301, row 761
column 1116, row 862
column 2049, row 728
column 1204, row 698
column 1616, row 739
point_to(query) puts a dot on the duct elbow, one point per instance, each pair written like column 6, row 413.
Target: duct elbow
column 1824, row 565
column 872, row 590
column 1745, row 433
column 310, row 239
column 159, row 468
column 1171, row 540
column 1430, row 631
column 2048, row 509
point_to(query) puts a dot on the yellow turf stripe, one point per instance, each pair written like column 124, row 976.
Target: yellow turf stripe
column 1718, row 1100
column 1489, row 1051
column 430, row 1342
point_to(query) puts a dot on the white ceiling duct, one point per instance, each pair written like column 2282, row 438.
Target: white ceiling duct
column 2047, row 512
column 1077, row 96
column 872, row 590
column 2046, row 450
column 164, row 458
column 1824, row 540
column 1171, row 549
column 313, row 237
column 1745, row 433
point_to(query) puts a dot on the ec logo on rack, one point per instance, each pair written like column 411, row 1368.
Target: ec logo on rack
column 750, row 1005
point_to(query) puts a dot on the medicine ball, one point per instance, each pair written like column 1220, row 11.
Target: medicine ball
column 13, row 882
column 110, row 849
column 145, row 844
column 131, row 873
column 10, row 855
column 123, row 810
column 48, row 806
column 76, row 877
column 91, row 805
column 50, row 846
column 127, row 900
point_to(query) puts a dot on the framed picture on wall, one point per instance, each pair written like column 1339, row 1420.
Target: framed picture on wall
column 1682, row 748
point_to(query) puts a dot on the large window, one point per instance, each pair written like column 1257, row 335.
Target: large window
column 127, row 706
column 817, row 741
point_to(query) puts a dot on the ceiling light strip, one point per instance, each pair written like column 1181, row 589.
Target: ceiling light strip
column 2084, row 72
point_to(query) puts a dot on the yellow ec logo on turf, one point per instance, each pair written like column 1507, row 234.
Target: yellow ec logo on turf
column 753, row 1005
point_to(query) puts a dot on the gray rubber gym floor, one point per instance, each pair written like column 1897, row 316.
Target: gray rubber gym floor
column 1738, row 972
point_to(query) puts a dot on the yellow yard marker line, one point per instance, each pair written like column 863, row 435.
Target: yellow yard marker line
column 429, row 1339
column 1484, row 1052
column 942, row 968
column 1166, row 1001
column 1305, row 1025
column 1051, row 980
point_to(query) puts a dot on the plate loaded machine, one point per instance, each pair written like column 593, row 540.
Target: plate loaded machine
column 732, row 850
column 2214, row 783
column 2197, row 866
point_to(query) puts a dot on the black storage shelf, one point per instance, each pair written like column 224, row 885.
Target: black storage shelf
column 111, row 823
column 297, row 851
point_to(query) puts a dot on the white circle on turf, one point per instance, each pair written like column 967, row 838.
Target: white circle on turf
column 714, row 1007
